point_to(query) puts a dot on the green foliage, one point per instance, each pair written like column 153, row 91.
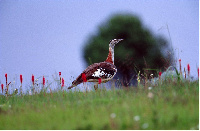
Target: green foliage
column 140, row 48
column 177, row 73
column 168, row 106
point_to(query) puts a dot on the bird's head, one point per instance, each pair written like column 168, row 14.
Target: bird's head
column 114, row 42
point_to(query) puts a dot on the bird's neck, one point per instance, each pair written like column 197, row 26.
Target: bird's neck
column 110, row 57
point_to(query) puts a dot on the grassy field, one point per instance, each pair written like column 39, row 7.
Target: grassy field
column 168, row 106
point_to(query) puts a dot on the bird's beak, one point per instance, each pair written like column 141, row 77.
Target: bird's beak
column 118, row 40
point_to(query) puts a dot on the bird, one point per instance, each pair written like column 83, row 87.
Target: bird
column 99, row 72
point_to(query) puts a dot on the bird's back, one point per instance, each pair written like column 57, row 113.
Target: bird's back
column 103, row 70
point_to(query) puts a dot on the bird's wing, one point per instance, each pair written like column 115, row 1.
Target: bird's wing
column 102, row 70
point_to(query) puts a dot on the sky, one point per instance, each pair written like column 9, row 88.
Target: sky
column 46, row 37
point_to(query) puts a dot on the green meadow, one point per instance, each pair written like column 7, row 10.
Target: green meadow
column 173, row 105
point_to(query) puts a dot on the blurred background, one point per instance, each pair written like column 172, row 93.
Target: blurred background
column 46, row 37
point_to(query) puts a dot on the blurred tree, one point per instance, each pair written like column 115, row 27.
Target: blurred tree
column 139, row 51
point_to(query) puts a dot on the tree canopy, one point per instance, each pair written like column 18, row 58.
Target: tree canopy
column 139, row 51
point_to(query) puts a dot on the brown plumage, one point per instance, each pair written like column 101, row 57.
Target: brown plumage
column 109, row 58
column 104, row 70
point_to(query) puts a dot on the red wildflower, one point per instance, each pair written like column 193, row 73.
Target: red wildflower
column 21, row 79
column 84, row 77
column 180, row 65
column 99, row 80
column 2, row 87
column 198, row 72
column 160, row 73
column 63, row 82
column 6, row 78
column 59, row 73
column 60, row 76
column 188, row 68
column 33, row 79
column 43, row 81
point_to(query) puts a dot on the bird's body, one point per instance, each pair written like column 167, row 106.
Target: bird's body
column 104, row 71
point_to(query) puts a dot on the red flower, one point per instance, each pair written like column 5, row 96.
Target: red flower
column 43, row 81
column 84, row 77
column 179, row 62
column 2, row 87
column 180, row 65
column 21, row 79
column 33, row 79
column 188, row 68
column 198, row 72
column 60, row 77
column 63, row 82
column 99, row 80
column 6, row 78
column 160, row 73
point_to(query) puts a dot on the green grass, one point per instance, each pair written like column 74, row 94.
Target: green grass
column 170, row 106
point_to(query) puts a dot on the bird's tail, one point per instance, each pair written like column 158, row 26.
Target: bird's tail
column 71, row 86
